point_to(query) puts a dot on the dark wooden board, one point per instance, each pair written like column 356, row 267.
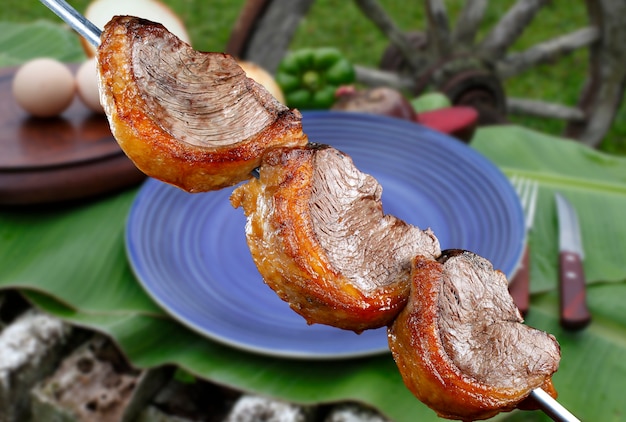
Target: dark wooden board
column 69, row 157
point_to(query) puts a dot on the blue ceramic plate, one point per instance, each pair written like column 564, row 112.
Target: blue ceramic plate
column 189, row 250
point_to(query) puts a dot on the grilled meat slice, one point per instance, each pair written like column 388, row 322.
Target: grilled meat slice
column 320, row 239
column 189, row 118
column 460, row 343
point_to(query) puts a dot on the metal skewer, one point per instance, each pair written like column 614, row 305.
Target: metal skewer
column 91, row 33
column 75, row 20
column 552, row 407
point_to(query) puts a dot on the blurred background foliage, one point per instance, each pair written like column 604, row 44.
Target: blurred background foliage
column 341, row 24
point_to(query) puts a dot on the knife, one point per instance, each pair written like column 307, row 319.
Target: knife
column 574, row 312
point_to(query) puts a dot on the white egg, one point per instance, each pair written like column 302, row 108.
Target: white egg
column 44, row 87
column 87, row 85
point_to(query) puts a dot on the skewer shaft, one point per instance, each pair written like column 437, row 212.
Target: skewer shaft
column 551, row 407
column 75, row 20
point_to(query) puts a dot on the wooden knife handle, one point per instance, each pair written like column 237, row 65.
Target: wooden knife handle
column 519, row 287
column 574, row 312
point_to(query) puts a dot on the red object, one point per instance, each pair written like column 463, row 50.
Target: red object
column 519, row 287
column 574, row 312
column 459, row 121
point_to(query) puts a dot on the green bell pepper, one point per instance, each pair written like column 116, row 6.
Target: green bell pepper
column 309, row 77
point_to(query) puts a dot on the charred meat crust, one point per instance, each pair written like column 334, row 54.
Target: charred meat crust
column 320, row 239
column 460, row 343
column 189, row 118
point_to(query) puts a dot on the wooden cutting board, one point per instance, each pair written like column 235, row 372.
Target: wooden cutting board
column 69, row 157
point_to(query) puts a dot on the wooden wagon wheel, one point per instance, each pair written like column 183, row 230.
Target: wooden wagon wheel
column 468, row 70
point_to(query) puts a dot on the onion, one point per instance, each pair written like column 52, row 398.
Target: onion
column 263, row 77
column 382, row 100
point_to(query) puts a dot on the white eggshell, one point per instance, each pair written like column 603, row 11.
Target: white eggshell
column 87, row 85
column 44, row 87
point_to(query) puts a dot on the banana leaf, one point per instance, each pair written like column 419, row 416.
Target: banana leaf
column 594, row 182
column 20, row 42
column 70, row 261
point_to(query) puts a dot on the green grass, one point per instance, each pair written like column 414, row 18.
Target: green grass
column 339, row 23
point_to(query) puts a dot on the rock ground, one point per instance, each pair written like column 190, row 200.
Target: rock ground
column 51, row 371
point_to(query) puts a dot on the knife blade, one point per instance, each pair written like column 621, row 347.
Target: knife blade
column 574, row 312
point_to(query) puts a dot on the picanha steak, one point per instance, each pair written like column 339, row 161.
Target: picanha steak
column 188, row 118
column 321, row 241
column 460, row 343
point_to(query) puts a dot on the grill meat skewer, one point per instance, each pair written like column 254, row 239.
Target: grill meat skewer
column 89, row 31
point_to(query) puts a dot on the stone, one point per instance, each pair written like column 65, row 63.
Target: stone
column 30, row 349
column 353, row 413
column 250, row 408
column 93, row 384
